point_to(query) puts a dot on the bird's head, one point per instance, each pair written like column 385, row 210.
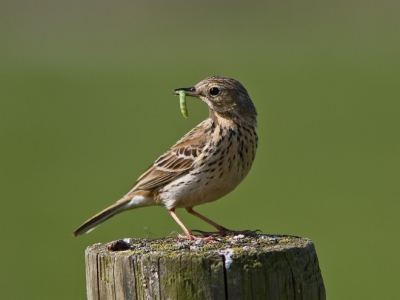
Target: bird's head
column 226, row 98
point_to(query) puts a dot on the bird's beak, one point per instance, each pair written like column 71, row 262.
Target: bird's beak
column 190, row 91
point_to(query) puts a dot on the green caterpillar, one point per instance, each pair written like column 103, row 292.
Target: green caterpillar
column 182, row 102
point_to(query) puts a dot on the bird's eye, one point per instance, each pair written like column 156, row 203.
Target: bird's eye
column 214, row 91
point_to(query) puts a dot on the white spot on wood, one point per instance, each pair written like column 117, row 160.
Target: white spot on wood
column 227, row 253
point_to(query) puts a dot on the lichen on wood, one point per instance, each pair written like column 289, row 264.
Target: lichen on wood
column 261, row 267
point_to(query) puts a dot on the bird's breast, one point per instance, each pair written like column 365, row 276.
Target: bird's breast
column 223, row 163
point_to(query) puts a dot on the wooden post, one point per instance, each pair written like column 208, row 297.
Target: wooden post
column 261, row 267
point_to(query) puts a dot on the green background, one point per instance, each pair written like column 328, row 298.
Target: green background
column 87, row 106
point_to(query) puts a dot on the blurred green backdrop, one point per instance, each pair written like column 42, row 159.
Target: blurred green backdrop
column 87, row 105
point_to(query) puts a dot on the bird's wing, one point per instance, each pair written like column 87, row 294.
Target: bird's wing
column 175, row 162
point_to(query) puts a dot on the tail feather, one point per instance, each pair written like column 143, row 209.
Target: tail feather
column 102, row 216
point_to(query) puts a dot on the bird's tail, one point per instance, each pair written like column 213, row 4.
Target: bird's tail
column 119, row 206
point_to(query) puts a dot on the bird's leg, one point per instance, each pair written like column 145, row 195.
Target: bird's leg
column 188, row 233
column 222, row 230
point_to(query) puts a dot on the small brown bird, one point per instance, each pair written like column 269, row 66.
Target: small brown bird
column 204, row 165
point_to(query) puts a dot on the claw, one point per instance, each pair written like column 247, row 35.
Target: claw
column 226, row 232
column 192, row 237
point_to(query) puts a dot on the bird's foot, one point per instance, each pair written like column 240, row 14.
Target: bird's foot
column 228, row 232
column 193, row 237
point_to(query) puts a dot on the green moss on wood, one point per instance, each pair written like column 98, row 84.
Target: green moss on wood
column 227, row 267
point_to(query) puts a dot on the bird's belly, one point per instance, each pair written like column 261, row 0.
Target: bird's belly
column 191, row 190
column 217, row 171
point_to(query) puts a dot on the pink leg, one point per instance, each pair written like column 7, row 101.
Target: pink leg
column 177, row 220
column 212, row 223
column 222, row 230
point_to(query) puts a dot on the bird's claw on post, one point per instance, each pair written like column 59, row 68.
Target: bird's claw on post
column 227, row 232
column 193, row 237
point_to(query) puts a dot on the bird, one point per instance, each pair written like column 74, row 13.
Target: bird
column 206, row 164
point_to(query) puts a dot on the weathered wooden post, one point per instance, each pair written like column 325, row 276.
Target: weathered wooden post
column 261, row 267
